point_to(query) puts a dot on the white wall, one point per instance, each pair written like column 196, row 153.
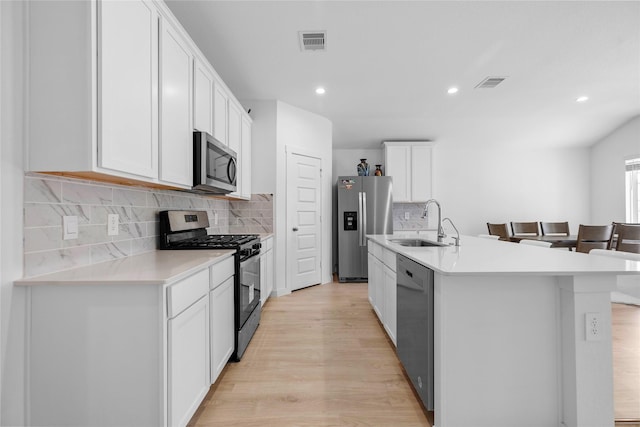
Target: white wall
column 476, row 186
column 12, row 299
column 480, row 185
column 345, row 161
column 607, row 166
column 277, row 125
column 302, row 129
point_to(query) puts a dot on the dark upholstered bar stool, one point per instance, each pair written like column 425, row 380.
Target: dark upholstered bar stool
column 525, row 228
column 594, row 237
column 554, row 228
column 500, row 230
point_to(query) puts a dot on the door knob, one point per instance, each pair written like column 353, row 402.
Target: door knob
column 295, row 228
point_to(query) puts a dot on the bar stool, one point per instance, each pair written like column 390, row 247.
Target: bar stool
column 594, row 237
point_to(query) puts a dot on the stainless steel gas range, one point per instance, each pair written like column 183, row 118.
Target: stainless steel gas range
column 188, row 230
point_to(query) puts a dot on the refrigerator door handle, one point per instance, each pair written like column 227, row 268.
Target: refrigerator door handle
column 364, row 220
column 360, row 218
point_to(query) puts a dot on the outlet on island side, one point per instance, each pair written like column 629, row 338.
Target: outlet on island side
column 593, row 326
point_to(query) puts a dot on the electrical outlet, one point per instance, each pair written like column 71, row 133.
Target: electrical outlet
column 69, row 227
column 406, row 215
column 113, row 221
column 593, row 326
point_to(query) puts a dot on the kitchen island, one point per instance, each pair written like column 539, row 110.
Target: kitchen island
column 511, row 345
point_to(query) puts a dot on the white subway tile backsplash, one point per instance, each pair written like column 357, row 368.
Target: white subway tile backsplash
column 49, row 198
column 125, row 197
column 42, row 238
column 87, row 194
column 37, row 263
column 38, row 190
column 110, row 251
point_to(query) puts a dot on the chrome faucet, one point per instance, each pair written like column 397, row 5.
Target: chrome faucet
column 441, row 234
column 457, row 239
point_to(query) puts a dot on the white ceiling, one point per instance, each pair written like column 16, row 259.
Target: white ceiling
column 388, row 65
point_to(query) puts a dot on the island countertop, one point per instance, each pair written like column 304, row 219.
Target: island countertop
column 150, row 268
column 479, row 256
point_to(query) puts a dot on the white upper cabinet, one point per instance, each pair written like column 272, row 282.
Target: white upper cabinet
column 128, row 73
column 245, row 170
column 176, row 136
column 115, row 91
column 220, row 112
column 202, row 98
column 410, row 165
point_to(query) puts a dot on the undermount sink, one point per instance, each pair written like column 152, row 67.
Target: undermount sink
column 416, row 242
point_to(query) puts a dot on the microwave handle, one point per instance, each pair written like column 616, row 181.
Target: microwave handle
column 231, row 170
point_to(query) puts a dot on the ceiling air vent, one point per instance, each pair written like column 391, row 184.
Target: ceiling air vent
column 490, row 82
column 312, row 40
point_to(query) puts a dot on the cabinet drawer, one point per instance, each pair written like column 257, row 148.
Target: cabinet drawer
column 222, row 271
column 184, row 293
column 389, row 259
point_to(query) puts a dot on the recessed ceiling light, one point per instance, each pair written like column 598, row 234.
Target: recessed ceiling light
column 582, row 99
column 320, row 91
column 452, row 90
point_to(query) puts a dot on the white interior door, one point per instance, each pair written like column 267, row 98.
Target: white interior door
column 303, row 220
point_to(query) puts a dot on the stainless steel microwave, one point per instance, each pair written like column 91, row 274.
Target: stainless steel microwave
column 214, row 165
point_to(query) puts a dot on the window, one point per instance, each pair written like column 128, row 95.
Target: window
column 632, row 189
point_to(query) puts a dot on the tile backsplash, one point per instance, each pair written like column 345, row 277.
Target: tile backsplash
column 415, row 220
column 47, row 199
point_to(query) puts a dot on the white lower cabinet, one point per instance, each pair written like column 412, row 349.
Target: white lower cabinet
column 188, row 361
column 382, row 286
column 266, row 269
column 128, row 354
column 222, row 318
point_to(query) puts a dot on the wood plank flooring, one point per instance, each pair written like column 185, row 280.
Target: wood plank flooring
column 625, row 321
column 320, row 358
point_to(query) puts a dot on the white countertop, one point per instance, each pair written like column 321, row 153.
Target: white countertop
column 150, row 268
column 486, row 257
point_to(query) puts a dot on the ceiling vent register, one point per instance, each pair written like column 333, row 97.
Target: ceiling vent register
column 313, row 40
column 490, row 82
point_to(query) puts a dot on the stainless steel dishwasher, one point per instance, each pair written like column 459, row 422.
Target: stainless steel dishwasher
column 415, row 325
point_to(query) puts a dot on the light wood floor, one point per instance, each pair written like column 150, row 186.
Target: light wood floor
column 626, row 362
column 320, row 358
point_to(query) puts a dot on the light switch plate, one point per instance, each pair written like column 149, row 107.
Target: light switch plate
column 406, row 215
column 113, row 221
column 69, row 227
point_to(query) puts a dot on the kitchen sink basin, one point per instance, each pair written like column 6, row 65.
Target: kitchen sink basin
column 416, row 242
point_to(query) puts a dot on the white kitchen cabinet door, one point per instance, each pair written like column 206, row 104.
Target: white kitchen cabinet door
column 245, row 149
column 222, row 326
column 188, row 361
column 266, row 270
column 410, row 165
column 234, row 135
column 397, row 159
column 378, row 291
column 421, row 168
column 176, row 137
column 220, row 112
column 390, row 301
column 202, row 98
column 128, row 81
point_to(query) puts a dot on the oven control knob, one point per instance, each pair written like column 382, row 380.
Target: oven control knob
column 245, row 252
column 257, row 246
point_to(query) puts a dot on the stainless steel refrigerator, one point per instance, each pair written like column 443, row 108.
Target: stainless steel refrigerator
column 365, row 206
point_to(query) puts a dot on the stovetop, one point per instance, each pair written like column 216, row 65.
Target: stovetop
column 188, row 230
column 215, row 241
